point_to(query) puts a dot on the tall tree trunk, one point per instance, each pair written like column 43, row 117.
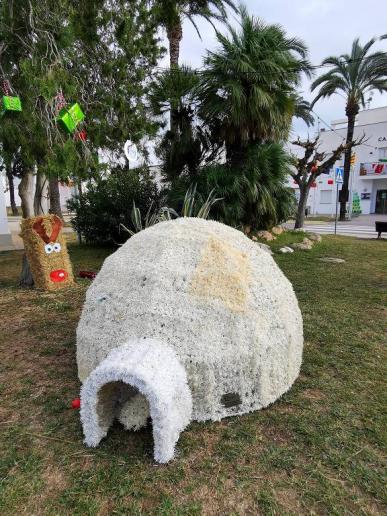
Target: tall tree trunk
column 175, row 35
column 41, row 194
column 26, row 193
column 300, row 217
column 351, row 114
column 236, row 154
column 11, row 186
column 26, row 279
column 55, row 207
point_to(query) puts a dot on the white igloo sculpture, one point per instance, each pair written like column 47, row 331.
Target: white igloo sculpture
column 189, row 320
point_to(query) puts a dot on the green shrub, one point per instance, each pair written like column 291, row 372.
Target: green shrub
column 255, row 195
column 107, row 203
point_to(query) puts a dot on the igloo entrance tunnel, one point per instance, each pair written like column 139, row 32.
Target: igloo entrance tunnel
column 189, row 320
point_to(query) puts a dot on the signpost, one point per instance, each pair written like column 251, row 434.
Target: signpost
column 339, row 180
column 353, row 162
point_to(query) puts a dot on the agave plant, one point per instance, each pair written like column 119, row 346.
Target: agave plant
column 165, row 213
column 151, row 218
column 190, row 203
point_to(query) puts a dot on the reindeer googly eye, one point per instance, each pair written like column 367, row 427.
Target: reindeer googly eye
column 48, row 248
column 57, row 247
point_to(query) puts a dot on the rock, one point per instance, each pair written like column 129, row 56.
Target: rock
column 315, row 237
column 332, row 260
column 302, row 246
column 277, row 230
column 307, row 241
column 265, row 235
column 254, row 238
column 188, row 321
column 286, row 249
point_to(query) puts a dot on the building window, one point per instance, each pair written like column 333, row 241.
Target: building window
column 326, row 197
column 383, row 153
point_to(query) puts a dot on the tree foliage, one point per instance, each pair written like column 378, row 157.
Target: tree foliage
column 254, row 195
column 248, row 86
column 97, row 53
column 353, row 75
column 244, row 102
column 107, row 203
column 171, row 13
column 173, row 92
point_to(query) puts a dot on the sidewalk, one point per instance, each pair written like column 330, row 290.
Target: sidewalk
column 361, row 220
column 360, row 227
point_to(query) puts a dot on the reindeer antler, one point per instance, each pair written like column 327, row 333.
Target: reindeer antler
column 38, row 227
column 56, row 226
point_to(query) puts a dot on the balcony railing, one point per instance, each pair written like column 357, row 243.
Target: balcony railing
column 373, row 169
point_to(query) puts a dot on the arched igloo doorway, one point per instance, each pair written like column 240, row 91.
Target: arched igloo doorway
column 141, row 378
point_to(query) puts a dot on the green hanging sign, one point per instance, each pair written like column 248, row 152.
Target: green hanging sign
column 10, row 104
column 70, row 117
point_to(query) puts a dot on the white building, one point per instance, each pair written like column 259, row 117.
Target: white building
column 5, row 235
column 368, row 181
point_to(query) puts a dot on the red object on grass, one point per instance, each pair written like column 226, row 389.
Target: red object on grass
column 58, row 275
column 87, row 274
column 76, row 403
column 330, row 181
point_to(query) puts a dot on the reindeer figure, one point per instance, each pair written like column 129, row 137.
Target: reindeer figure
column 46, row 251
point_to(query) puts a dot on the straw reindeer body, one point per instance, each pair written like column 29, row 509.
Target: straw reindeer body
column 46, row 251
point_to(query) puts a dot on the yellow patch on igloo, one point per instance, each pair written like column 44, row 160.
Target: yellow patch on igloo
column 222, row 273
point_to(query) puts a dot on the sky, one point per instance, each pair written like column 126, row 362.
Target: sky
column 328, row 27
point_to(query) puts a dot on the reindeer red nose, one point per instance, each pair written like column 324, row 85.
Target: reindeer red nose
column 58, row 275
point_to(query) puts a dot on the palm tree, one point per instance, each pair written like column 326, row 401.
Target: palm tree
column 256, row 195
column 353, row 75
column 170, row 14
column 303, row 110
column 180, row 147
column 249, row 85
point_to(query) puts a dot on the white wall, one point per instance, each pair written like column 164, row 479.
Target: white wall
column 5, row 235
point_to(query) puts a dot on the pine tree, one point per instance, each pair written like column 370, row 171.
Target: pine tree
column 96, row 53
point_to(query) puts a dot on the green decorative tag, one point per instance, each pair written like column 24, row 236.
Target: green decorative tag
column 70, row 117
column 10, row 104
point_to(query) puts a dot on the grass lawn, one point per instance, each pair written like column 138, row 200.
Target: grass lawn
column 318, row 450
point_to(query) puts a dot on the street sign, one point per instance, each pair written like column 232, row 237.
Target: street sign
column 339, row 174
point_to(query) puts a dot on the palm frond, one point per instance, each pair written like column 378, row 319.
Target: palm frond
column 257, row 69
column 354, row 74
